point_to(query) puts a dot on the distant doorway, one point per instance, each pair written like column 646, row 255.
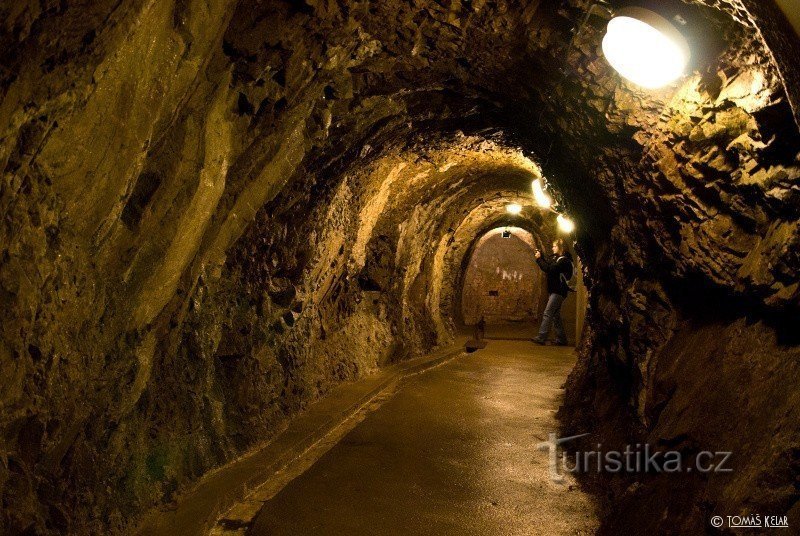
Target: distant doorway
column 503, row 284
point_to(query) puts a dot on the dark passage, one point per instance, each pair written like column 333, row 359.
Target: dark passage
column 230, row 228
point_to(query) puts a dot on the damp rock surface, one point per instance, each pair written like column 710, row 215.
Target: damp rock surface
column 214, row 212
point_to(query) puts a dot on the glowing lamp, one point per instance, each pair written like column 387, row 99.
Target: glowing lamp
column 645, row 48
column 539, row 195
column 565, row 224
column 513, row 208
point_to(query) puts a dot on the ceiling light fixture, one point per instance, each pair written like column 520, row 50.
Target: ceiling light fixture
column 645, row 48
column 539, row 195
column 513, row 208
column 565, row 224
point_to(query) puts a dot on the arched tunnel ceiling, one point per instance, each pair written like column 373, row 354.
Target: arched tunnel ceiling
column 381, row 85
column 216, row 211
column 430, row 202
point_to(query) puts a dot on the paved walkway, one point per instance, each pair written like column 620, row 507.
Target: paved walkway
column 453, row 452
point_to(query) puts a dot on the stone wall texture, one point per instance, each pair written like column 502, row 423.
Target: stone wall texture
column 213, row 212
column 502, row 282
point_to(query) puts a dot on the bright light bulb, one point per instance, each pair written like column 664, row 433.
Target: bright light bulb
column 513, row 208
column 645, row 48
column 542, row 199
column 565, row 224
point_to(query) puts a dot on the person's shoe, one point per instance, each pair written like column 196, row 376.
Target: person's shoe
column 539, row 340
column 561, row 343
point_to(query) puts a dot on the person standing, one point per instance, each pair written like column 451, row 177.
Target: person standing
column 558, row 268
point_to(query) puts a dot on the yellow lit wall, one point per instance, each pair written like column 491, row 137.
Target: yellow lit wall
column 791, row 8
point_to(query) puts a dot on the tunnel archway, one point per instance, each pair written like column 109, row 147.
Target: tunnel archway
column 501, row 284
column 189, row 260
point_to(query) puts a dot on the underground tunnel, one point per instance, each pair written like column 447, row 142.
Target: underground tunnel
column 501, row 283
column 501, row 286
column 244, row 244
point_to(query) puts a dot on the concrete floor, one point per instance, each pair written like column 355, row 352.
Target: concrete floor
column 453, row 452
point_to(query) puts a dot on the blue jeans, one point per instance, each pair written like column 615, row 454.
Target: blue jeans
column 552, row 317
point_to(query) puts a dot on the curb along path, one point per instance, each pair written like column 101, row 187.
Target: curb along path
column 226, row 500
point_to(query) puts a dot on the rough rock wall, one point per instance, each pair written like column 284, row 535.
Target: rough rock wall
column 689, row 344
column 202, row 231
column 213, row 209
column 501, row 282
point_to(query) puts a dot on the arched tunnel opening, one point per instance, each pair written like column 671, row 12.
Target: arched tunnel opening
column 243, row 243
column 501, row 283
column 502, row 288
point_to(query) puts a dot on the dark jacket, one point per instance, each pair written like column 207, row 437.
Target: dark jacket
column 559, row 272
